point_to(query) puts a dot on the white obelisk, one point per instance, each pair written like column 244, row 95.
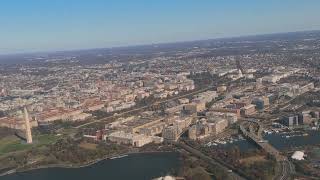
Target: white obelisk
column 27, row 126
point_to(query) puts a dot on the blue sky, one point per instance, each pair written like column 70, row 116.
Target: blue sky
column 42, row 25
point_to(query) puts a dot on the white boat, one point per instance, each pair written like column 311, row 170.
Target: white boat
column 223, row 142
column 267, row 132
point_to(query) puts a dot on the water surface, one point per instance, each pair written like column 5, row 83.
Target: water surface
column 135, row 166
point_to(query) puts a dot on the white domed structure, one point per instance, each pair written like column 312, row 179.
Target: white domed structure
column 165, row 178
column 298, row 155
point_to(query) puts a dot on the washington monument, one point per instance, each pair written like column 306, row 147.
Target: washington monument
column 27, row 126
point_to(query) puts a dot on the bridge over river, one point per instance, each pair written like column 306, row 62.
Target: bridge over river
column 286, row 168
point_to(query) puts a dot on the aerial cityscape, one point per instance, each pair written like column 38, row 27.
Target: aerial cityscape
column 244, row 107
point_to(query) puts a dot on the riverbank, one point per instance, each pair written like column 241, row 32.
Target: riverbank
column 134, row 166
column 82, row 165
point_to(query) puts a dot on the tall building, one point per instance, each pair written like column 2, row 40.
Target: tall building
column 27, row 126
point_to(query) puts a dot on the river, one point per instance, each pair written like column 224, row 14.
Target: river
column 150, row 165
column 281, row 141
column 135, row 166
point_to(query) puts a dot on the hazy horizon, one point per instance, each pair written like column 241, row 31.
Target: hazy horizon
column 34, row 26
column 160, row 43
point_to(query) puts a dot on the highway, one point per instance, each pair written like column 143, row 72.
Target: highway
column 286, row 167
column 233, row 175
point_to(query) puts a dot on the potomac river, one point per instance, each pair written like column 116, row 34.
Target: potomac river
column 143, row 166
column 146, row 166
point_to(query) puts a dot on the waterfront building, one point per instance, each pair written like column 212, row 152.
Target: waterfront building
column 170, row 133
column 290, row 120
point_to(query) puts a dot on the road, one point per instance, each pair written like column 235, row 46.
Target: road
column 285, row 104
column 209, row 160
column 286, row 167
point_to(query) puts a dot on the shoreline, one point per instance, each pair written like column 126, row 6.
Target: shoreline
column 75, row 166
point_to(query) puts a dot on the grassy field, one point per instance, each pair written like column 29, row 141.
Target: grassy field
column 11, row 144
column 89, row 146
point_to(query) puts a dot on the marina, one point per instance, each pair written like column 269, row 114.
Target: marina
column 281, row 140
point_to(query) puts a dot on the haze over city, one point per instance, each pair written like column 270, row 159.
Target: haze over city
column 28, row 26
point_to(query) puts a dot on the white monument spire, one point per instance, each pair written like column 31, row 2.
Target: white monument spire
column 27, row 126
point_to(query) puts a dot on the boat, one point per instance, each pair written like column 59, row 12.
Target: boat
column 118, row 157
column 223, row 142
column 267, row 132
column 241, row 137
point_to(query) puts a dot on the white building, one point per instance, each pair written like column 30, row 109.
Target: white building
column 298, row 155
column 137, row 140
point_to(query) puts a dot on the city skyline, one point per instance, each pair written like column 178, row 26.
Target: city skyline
column 49, row 26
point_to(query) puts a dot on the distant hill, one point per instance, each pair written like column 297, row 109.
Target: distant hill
column 222, row 46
